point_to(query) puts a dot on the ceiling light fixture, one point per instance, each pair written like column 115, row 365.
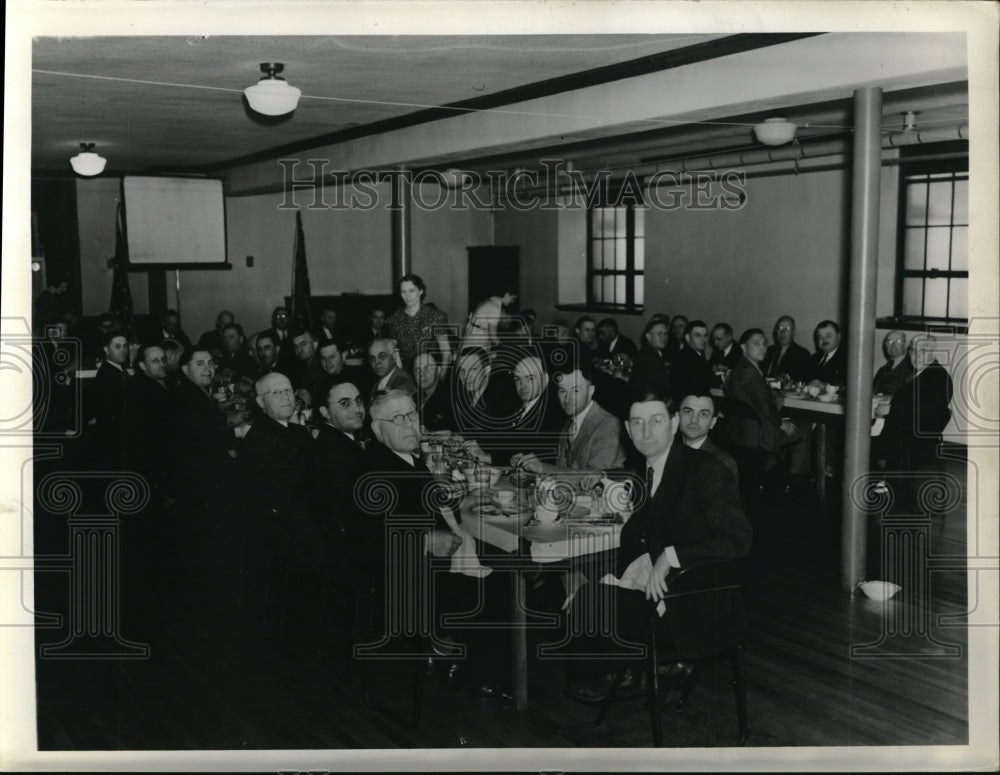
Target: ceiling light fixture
column 87, row 163
column 271, row 95
column 775, row 131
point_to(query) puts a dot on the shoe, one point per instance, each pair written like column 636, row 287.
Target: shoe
column 492, row 691
column 676, row 675
column 594, row 690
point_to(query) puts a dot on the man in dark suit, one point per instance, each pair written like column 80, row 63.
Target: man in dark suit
column 234, row 356
column 786, row 356
column 725, row 351
column 391, row 459
column 388, row 374
column 280, row 333
column 610, row 343
column 110, row 410
column 327, row 328
column 535, row 424
column 698, row 417
column 309, row 375
column 897, row 370
column 470, row 392
column 338, row 457
column 829, row 362
column 689, row 513
column 268, row 354
column 690, row 372
column 763, row 428
column 170, row 328
column 437, row 411
column 917, row 414
column 651, row 370
column 212, row 340
column 675, row 339
column 149, row 415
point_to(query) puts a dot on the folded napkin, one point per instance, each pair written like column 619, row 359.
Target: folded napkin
column 636, row 576
column 464, row 560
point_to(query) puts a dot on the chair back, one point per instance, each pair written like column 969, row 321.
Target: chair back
column 705, row 610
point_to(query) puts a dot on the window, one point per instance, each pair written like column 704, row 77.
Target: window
column 932, row 275
column 615, row 259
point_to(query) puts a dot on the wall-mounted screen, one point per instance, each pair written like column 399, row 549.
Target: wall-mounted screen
column 175, row 222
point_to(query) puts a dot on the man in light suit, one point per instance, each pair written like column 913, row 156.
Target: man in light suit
column 389, row 375
column 591, row 438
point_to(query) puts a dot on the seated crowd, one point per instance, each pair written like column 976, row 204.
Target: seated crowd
column 295, row 428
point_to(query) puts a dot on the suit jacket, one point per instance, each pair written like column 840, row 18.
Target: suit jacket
column 796, row 362
column 275, row 462
column 690, row 373
column 535, row 433
column 746, row 386
column 728, row 360
column 287, row 360
column 111, row 411
column 408, row 505
column 212, row 341
column 622, row 345
column 597, row 446
column 918, row 415
column 833, row 371
column 239, row 362
column 398, row 380
column 696, row 509
column 148, row 417
column 437, row 412
column 198, row 443
column 888, row 379
column 722, row 456
column 650, row 371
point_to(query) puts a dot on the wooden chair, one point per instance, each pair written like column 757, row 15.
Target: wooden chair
column 700, row 599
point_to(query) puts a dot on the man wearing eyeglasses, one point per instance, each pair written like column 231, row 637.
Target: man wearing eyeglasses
column 391, row 459
column 389, row 375
column 339, row 449
column 688, row 513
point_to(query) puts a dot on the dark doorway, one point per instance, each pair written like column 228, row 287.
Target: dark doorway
column 493, row 271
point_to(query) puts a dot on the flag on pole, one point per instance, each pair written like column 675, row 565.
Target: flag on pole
column 301, row 312
column 121, row 308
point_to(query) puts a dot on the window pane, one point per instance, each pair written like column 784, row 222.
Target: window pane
column 939, row 203
column 595, row 254
column 595, row 284
column 639, row 289
column 938, row 248
column 620, row 255
column 608, row 216
column 935, row 298
column 914, row 256
column 620, row 289
column 916, row 204
column 639, row 255
column 958, row 307
column 620, row 227
column 639, row 223
column 960, row 248
column 961, row 202
column 609, row 290
column 913, row 296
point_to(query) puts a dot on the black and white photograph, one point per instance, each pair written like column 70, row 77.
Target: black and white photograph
column 500, row 386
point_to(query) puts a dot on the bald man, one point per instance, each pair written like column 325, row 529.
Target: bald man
column 389, row 375
column 537, row 420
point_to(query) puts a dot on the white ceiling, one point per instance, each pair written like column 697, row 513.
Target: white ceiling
column 175, row 103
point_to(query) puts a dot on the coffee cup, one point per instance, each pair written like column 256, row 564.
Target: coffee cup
column 545, row 515
column 505, row 497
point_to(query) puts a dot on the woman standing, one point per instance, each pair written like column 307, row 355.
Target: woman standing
column 417, row 322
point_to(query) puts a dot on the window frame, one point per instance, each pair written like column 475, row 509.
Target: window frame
column 630, row 273
column 958, row 168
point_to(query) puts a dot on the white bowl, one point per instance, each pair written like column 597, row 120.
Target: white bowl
column 811, row 390
column 879, row 590
column 504, row 497
column 545, row 516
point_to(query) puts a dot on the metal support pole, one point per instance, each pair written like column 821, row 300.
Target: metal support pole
column 865, row 194
column 402, row 262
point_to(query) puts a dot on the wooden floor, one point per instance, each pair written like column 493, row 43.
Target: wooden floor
column 820, row 673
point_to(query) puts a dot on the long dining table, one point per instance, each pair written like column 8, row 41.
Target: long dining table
column 526, row 548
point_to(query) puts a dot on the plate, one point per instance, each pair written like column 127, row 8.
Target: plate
column 826, row 398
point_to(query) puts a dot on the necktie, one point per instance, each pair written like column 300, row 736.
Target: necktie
column 824, row 359
column 649, row 481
